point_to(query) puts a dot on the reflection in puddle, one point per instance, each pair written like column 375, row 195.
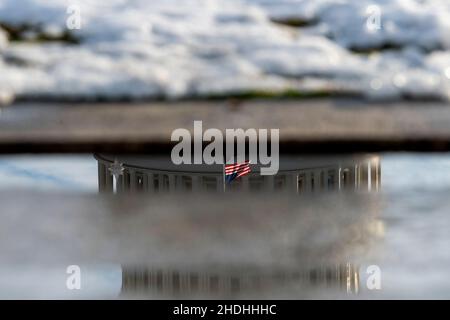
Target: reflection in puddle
column 165, row 231
column 143, row 281
column 306, row 176
column 300, row 175
column 50, row 173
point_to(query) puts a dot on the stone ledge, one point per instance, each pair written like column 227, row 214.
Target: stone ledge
column 307, row 126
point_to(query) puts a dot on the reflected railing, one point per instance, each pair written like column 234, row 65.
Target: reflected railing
column 175, row 283
column 302, row 175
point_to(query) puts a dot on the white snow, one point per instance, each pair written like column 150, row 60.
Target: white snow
column 179, row 48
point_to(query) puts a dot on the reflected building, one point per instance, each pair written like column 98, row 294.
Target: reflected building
column 296, row 174
column 354, row 229
column 162, row 282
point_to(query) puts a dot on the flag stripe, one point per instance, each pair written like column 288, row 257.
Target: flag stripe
column 227, row 171
column 235, row 166
column 243, row 173
column 237, row 170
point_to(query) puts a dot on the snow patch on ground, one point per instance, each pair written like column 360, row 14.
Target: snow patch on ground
column 177, row 48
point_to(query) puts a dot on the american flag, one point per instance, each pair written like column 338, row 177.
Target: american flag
column 236, row 170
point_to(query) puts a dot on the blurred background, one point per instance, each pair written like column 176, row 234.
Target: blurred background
column 136, row 49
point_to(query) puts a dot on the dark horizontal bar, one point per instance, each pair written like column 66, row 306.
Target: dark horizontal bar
column 286, row 147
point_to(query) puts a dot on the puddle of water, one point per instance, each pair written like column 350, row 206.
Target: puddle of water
column 162, row 231
column 75, row 173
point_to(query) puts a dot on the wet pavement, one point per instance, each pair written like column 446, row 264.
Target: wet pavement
column 323, row 227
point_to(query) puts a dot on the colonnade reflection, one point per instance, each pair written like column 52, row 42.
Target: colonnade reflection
column 334, row 269
column 300, row 175
column 174, row 283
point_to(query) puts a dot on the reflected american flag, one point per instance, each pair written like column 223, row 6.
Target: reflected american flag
column 236, row 170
